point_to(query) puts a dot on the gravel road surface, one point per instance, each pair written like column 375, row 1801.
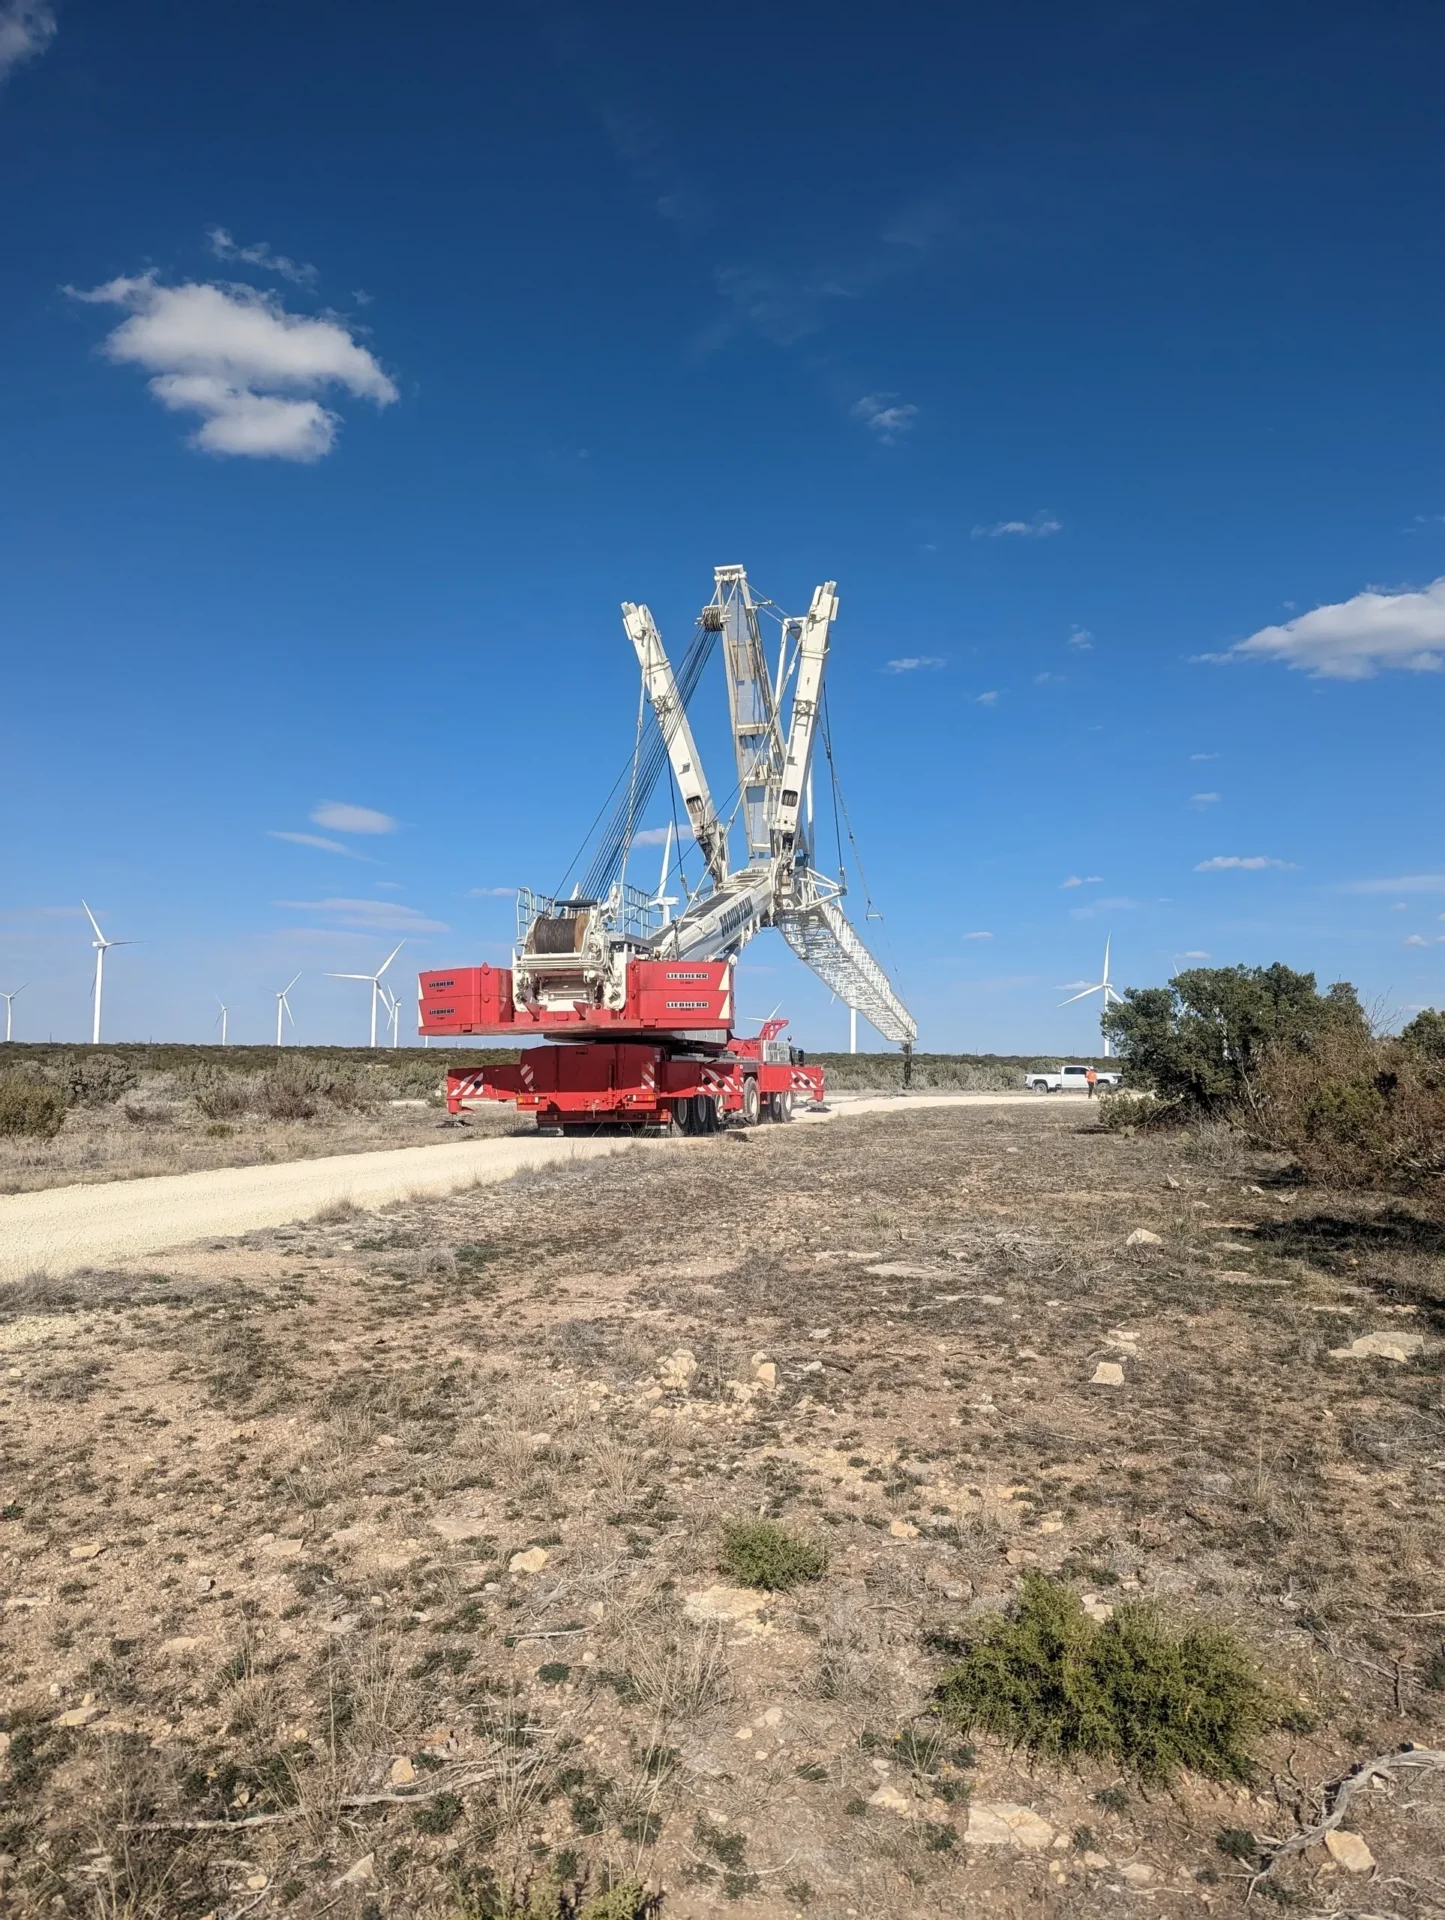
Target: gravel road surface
column 61, row 1228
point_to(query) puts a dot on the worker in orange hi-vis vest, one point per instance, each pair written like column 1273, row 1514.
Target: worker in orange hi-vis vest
column 1091, row 1080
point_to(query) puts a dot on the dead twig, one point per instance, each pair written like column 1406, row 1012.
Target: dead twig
column 351, row 1800
column 1383, row 1767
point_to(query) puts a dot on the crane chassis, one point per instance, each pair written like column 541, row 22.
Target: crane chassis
column 636, row 1008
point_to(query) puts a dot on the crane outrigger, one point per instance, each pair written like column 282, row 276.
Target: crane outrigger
column 643, row 1002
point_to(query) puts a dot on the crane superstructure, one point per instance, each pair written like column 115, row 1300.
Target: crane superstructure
column 606, row 965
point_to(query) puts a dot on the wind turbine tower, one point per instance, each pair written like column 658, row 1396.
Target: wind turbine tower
column 221, row 1023
column 9, row 998
column 1104, row 986
column 375, row 980
column 283, row 1006
column 102, row 948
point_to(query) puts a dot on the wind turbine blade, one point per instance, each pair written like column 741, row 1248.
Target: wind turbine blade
column 1080, row 996
column 389, row 958
column 93, row 921
column 291, row 983
column 666, row 862
column 338, row 976
column 1108, row 940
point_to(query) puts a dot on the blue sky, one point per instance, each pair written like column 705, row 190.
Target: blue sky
column 355, row 365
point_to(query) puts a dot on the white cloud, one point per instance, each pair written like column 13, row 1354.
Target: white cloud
column 374, row 916
column 1205, row 799
column 1039, row 528
column 978, row 936
column 1248, row 863
column 987, row 699
column 1204, row 756
column 649, row 837
column 915, row 663
column 239, row 359
column 1049, row 679
column 1082, row 639
column 1401, row 883
column 27, row 28
column 1353, row 639
column 491, row 893
column 299, row 273
column 1088, row 880
column 341, row 817
column 885, row 419
column 312, row 840
column 1194, row 953
column 1415, row 940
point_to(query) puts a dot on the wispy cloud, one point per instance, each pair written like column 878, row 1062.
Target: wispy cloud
column 236, row 357
column 342, row 817
column 374, row 916
column 491, row 893
column 1245, row 862
column 260, row 255
column 986, row 699
column 1087, row 880
column 1355, row 639
column 1081, row 639
column 1192, row 953
column 27, row 28
column 885, row 414
column 1039, row 528
column 1205, row 799
column 915, row 663
column 1204, row 756
column 1050, row 679
column 313, row 840
column 1414, row 940
column 1400, row 883
column 651, row 837
column 978, row 936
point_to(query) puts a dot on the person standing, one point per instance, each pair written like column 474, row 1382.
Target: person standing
column 1091, row 1080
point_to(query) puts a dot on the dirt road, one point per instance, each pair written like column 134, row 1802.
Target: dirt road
column 61, row 1228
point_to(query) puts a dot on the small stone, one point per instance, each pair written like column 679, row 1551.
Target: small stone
column 458, row 1527
column 78, row 1716
column 1098, row 1861
column 766, row 1373
column 1051, row 1526
column 354, row 1876
column 284, row 1549
column 205, row 1583
column 532, row 1561
column 1375, row 1346
column 1348, row 1850
column 773, row 1717
column 1142, row 1237
column 1171, row 1183
column 180, row 1643
column 402, row 1771
column 88, row 1550
column 1137, row 1873
column 743, row 1733
column 1003, row 1823
column 733, row 1605
column 819, row 1333
column 903, row 1529
column 1108, row 1373
column 677, row 1370
column 890, row 1800
column 1096, row 1608
column 255, row 1881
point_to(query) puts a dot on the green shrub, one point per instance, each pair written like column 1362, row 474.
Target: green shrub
column 222, row 1096
column 1156, row 1699
column 29, row 1108
column 758, row 1553
column 1425, row 1034
column 1204, row 1038
column 1139, row 1112
column 92, row 1079
column 1358, row 1112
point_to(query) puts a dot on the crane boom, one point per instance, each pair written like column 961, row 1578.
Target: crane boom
column 657, row 678
column 802, row 730
column 824, row 939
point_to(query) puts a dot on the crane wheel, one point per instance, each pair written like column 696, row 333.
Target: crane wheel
column 752, row 1105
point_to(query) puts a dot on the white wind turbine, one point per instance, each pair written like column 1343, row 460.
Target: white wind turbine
column 8, row 998
column 221, row 1023
column 1104, row 986
column 375, row 979
column 283, row 1006
column 392, row 1004
column 102, row 948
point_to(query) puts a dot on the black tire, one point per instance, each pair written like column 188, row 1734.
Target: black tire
column 752, row 1105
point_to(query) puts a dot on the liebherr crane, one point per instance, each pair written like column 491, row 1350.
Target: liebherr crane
column 646, row 1008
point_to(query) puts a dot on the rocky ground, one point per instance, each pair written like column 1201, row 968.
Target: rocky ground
column 374, row 1567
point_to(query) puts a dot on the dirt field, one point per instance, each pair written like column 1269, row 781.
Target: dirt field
column 371, row 1567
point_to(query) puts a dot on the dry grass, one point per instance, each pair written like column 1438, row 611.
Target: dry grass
column 310, row 1461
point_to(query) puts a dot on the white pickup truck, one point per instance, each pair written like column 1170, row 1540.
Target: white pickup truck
column 1072, row 1079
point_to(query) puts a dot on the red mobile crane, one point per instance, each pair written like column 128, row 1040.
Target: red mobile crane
column 638, row 1008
